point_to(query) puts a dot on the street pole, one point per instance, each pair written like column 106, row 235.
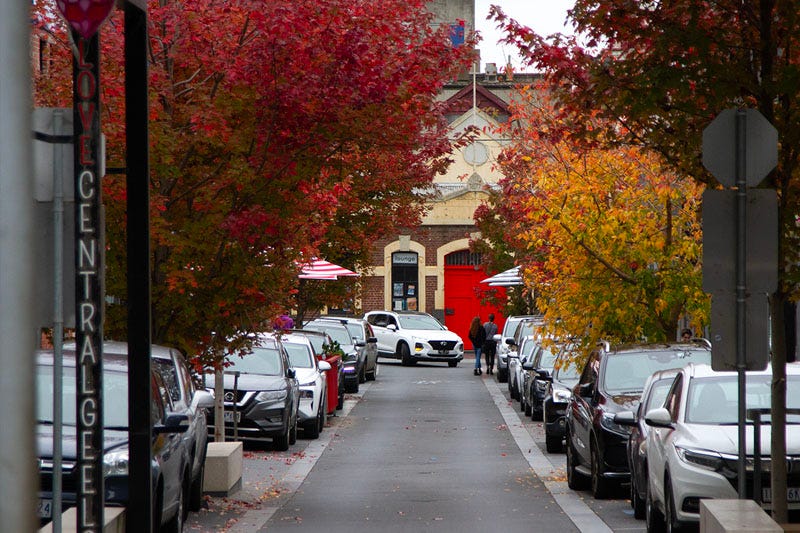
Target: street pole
column 18, row 478
column 741, row 292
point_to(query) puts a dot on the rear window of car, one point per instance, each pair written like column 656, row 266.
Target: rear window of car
column 261, row 361
column 628, row 372
column 299, row 355
column 337, row 332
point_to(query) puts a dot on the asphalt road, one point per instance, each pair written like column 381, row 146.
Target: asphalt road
column 423, row 448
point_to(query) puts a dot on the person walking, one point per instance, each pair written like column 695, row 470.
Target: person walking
column 477, row 335
column 489, row 345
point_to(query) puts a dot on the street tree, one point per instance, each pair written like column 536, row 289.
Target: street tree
column 659, row 72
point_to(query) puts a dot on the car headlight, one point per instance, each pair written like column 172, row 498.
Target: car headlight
column 307, row 394
column 702, row 458
column 607, row 421
column 561, row 395
column 115, row 463
column 271, row 395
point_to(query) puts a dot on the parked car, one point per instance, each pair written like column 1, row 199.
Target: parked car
column 613, row 381
column 557, row 395
column 320, row 341
column 313, row 408
column 413, row 336
column 171, row 469
column 655, row 391
column 524, row 352
column 353, row 360
column 503, row 347
column 262, row 396
column 692, row 446
column 366, row 342
column 537, row 372
column 189, row 400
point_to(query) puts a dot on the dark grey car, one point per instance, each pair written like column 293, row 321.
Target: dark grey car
column 353, row 360
column 366, row 343
column 261, row 395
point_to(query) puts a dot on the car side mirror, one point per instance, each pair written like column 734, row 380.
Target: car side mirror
column 659, row 418
column 625, row 418
column 391, row 327
column 497, row 337
column 586, row 390
column 324, row 366
column 544, row 374
column 202, row 399
column 527, row 365
column 360, row 343
column 372, row 340
column 173, row 423
column 290, row 373
column 510, row 342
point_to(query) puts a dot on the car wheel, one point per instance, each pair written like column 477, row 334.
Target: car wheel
column 340, row 403
column 175, row 524
column 671, row 522
column 311, row 428
column 552, row 443
column 575, row 480
column 281, row 442
column 637, row 502
column 502, row 375
column 654, row 518
column 601, row 487
column 293, row 432
column 196, row 492
column 452, row 364
column 405, row 354
column 323, row 416
column 362, row 375
column 372, row 375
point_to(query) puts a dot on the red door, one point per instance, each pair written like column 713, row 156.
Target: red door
column 462, row 302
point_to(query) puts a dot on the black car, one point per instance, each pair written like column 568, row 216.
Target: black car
column 540, row 370
column 655, row 392
column 366, row 342
column 171, row 469
column 556, row 398
column 193, row 402
column 613, row 381
column 353, row 359
column 262, row 395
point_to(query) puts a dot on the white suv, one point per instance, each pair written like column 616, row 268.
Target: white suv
column 313, row 411
column 413, row 336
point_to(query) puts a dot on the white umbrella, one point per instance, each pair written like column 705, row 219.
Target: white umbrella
column 507, row 278
column 321, row 269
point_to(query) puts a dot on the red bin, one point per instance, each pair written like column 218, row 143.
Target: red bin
column 333, row 379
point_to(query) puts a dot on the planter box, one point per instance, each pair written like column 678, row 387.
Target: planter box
column 223, row 475
column 717, row 516
column 114, row 518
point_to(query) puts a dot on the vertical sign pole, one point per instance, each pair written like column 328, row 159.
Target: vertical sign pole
column 140, row 512
column 88, row 283
column 741, row 289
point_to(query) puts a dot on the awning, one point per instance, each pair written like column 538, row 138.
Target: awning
column 321, row 269
column 507, row 278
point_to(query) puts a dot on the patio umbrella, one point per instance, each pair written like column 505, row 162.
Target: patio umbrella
column 321, row 269
column 507, row 278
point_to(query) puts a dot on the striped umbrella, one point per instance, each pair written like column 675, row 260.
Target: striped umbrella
column 321, row 269
column 507, row 278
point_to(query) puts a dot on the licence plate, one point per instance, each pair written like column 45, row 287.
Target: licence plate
column 44, row 509
column 229, row 416
column 792, row 496
column 443, row 352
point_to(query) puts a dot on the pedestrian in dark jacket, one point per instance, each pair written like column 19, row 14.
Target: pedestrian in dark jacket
column 478, row 337
column 489, row 345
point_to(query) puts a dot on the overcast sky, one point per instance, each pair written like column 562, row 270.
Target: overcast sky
column 543, row 16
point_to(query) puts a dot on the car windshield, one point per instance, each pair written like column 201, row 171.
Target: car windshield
column 658, row 392
column 300, row 355
column 713, row 400
column 627, row 372
column 263, row 360
column 565, row 369
column 356, row 330
column 337, row 332
column 527, row 348
column 527, row 327
column 318, row 343
column 115, row 396
column 547, row 357
column 511, row 326
column 419, row 322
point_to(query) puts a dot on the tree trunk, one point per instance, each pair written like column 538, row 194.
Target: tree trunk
column 219, row 405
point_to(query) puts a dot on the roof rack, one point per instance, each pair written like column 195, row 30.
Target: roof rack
column 701, row 340
column 604, row 344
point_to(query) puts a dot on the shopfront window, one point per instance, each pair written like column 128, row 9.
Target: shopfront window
column 405, row 281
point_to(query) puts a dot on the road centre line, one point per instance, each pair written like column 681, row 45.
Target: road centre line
column 576, row 510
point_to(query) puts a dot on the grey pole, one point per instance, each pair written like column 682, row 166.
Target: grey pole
column 20, row 337
column 741, row 292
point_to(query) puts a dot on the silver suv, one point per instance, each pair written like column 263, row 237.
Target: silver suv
column 503, row 345
column 413, row 336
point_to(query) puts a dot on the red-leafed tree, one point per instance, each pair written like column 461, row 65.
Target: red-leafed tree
column 279, row 131
column 663, row 71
